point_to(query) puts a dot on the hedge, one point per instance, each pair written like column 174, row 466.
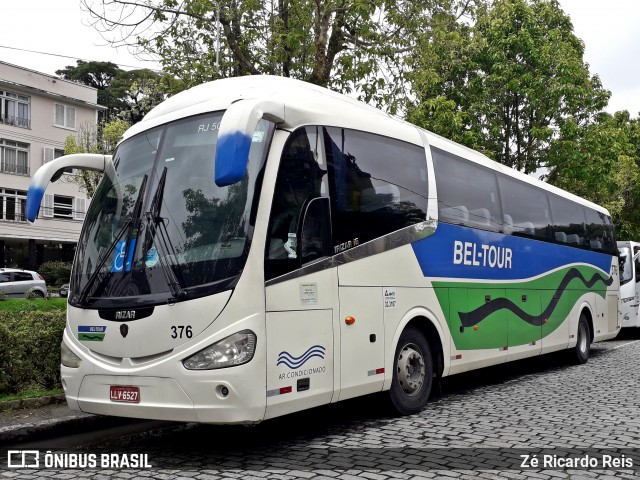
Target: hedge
column 30, row 349
column 55, row 272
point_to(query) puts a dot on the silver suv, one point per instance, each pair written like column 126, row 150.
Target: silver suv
column 20, row 283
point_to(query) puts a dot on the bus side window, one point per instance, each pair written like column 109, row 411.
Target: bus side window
column 377, row 185
column 636, row 254
column 467, row 192
column 316, row 231
column 568, row 220
column 599, row 231
column 300, row 179
column 527, row 209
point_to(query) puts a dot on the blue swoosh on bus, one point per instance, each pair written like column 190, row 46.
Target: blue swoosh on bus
column 285, row 358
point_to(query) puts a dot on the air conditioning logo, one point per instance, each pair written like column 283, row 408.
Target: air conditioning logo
column 285, row 358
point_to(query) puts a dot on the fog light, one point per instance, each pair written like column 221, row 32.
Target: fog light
column 67, row 357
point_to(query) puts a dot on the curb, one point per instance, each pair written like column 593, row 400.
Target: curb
column 46, row 429
column 32, row 402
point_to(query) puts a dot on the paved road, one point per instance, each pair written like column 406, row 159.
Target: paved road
column 479, row 425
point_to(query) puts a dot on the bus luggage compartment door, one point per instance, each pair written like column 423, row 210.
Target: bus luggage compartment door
column 361, row 341
column 299, row 360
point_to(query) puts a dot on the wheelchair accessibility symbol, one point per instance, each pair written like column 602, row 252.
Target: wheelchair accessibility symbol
column 122, row 258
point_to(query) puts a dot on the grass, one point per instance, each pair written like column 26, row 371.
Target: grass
column 30, row 393
column 17, row 305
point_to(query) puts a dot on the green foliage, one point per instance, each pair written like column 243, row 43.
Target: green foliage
column 15, row 305
column 52, row 271
column 30, row 349
column 128, row 95
column 3, row 295
column 358, row 46
column 91, row 140
column 601, row 163
column 507, row 84
column 31, row 393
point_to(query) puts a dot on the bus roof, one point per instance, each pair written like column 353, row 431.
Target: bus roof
column 308, row 104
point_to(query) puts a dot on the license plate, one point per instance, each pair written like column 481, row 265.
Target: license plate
column 120, row 393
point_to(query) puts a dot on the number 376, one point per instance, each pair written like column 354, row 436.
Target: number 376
column 181, row 331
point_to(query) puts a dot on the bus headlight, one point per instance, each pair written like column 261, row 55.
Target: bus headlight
column 67, row 357
column 233, row 350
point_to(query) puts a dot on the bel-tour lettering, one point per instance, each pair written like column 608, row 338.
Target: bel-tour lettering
column 481, row 255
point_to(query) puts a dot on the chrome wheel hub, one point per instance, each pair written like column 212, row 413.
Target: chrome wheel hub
column 411, row 370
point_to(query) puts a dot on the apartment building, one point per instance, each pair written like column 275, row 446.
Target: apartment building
column 37, row 113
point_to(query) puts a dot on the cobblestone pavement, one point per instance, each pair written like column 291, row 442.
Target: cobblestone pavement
column 478, row 425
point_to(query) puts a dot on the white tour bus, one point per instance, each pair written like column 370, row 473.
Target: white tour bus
column 629, row 283
column 260, row 245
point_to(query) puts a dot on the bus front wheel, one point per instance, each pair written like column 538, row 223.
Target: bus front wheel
column 412, row 373
column 583, row 343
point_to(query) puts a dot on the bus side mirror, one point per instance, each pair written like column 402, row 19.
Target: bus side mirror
column 235, row 136
column 53, row 170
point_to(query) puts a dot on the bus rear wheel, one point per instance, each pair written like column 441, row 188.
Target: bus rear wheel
column 412, row 373
column 581, row 351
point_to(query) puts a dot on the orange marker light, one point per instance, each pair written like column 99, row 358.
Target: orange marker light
column 350, row 320
column 545, row 320
column 476, row 327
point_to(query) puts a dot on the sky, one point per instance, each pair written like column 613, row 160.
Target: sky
column 610, row 34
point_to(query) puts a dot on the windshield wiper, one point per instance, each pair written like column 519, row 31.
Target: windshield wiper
column 153, row 220
column 128, row 225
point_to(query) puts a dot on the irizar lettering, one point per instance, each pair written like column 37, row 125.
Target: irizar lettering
column 481, row 255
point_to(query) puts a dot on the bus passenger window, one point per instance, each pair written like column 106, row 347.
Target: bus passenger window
column 568, row 220
column 467, row 193
column 377, row 185
column 599, row 231
column 527, row 209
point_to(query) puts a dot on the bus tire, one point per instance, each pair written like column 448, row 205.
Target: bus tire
column 580, row 353
column 412, row 373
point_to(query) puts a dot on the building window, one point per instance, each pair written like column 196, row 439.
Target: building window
column 15, row 109
column 62, row 206
column 52, row 154
column 14, row 157
column 65, row 116
column 12, row 205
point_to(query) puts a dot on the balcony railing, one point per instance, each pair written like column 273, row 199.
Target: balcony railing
column 16, row 121
column 14, row 169
column 13, row 217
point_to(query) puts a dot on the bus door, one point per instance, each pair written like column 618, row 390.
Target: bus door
column 301, row 282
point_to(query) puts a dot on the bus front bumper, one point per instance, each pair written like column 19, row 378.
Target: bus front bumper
column 198, row 398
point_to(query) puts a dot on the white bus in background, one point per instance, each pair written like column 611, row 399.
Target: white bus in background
column 629, row 283
column 260, row 245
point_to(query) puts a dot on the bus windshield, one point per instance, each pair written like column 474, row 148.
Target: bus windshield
column 159, row 229
column 626, row 266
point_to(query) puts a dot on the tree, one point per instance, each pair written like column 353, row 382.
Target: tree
column 346, row 45
column 507, row 85
column 92, row 140
column 139, row 91
column 98, row 75
column 601, row 162
column 128, row 95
